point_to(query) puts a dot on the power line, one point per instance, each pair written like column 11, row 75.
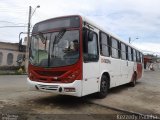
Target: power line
column 12, row 22
column 24, row 12
column 11, row 26
column 15, row 11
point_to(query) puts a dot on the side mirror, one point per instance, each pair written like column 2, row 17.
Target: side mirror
column 90, row 36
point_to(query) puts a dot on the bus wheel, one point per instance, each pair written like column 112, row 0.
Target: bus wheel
column 133, row 83
column 103, row 87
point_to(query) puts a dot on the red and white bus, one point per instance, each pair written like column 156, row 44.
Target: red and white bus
column 71, row 55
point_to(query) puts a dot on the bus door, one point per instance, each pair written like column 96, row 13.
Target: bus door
column 90, row 61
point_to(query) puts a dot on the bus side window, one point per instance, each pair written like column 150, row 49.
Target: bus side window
column 126, row 52
column 123, row 51
column 138, row 57
column 104, row 44
column 141, row 58
column 134, row 55
column 129, row 53
column 90, row 46
column 115, row 48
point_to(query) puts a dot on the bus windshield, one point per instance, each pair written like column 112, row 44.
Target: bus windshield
column 55, row 49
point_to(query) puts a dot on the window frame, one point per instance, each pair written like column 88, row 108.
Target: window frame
column 125, row 46
column 134, row 55
column 96, row 60
column 141, row 57
column 131, row 54
column 111, row 39
column 107, row 45
column 138, row 57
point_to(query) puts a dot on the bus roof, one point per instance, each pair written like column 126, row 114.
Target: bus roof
column 85, row 19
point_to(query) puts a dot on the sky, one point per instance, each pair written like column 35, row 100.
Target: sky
column 137, row 19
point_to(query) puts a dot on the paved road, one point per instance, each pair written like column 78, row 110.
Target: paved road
column 15, row 99
column 143, row 98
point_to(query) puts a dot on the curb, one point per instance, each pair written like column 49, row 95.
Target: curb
column 152, row 117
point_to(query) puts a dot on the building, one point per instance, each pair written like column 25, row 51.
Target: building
column 11, row 55
column 151, row 62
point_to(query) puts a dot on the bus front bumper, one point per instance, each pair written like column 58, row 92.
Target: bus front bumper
column 73, row 89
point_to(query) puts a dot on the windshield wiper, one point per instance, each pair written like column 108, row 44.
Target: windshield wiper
column 59, row 36
column 41, row 36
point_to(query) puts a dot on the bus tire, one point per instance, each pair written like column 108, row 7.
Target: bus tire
column 104, row 87
column 133, row 82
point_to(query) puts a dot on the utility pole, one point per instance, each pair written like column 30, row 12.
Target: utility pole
column 28, row 35
column 28, row 39
column 29, row 26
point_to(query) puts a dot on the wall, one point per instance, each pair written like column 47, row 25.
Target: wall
column 13, row 50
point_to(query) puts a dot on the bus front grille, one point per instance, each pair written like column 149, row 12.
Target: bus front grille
column 50, row 73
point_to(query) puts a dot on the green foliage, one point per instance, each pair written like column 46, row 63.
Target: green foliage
column 12, row 70
column 20, row 71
